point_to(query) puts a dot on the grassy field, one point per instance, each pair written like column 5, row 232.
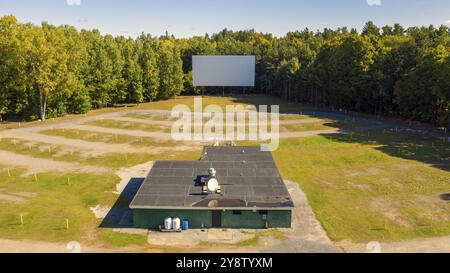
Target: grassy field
column 111, row 160
column 126, row 125
column 117, row 239
column 380, row 186
column 363, row 186
column 49, row 200
column 322, row 125
column 92, row 136
column 155, row 117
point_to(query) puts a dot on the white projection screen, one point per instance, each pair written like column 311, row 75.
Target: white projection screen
column 236, row 71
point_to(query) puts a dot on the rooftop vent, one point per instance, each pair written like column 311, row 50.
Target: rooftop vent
column 212, row 173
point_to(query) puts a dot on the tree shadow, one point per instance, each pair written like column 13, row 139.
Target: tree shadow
column 400, row 143
column 445, row 197
column 292, row 108
column 420, row 143
column 120, row 215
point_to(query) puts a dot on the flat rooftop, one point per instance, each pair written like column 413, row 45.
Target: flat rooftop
column 249, row 179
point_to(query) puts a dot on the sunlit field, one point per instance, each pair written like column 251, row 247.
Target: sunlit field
column 363, row 183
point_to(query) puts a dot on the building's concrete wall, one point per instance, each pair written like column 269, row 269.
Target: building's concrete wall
column 153, row 218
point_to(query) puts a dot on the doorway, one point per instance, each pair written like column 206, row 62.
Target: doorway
column 216, row 219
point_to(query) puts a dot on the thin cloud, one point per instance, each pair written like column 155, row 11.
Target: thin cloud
column 73, row 2
column 374, row 2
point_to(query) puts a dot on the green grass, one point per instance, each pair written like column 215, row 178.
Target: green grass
column 220, row 101
column 117, row 239
column 126, row 125
column 294, row 117
column 362, row 186
column 56, row 197
column 372, row 186
column 155, row 117
column 322, row 125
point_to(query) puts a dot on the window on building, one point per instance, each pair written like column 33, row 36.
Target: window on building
column 237, row 212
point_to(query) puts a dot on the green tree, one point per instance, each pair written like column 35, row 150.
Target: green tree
column 150, row 70
column 371, row 29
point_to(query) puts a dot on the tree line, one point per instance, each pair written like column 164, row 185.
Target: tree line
column 49, row 71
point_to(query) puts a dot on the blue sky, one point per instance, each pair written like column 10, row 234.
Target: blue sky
column 185, row 18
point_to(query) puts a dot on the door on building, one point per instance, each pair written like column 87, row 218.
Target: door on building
column 216, row 218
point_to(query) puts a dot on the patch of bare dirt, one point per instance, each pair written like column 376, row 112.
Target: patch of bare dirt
column 126, row 174
column 373, row 171
column 432, row 207
column 100, row 212
column 15, row 197
column 351, row 173
column 389, row 210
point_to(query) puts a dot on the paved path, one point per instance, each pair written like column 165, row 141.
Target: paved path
column 40, row 165
column 96, row 148
column 430, row 245
column 28, row 246
column 168, row 123
column 91, row 148
column 306, row 235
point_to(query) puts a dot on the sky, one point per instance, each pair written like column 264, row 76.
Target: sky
column 187, row 18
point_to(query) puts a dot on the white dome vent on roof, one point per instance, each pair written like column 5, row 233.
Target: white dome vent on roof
column 213, row 185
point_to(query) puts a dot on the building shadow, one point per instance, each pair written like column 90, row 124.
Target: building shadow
column 120, row 215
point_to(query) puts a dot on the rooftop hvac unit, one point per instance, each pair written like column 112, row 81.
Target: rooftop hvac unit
column 212, row 172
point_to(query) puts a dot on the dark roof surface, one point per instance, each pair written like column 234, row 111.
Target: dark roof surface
column 248, row 177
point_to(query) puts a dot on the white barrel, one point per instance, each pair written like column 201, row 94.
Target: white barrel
column 176, row 223
column 168, row 223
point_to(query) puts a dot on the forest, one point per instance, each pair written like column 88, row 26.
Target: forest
column 49, row 71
